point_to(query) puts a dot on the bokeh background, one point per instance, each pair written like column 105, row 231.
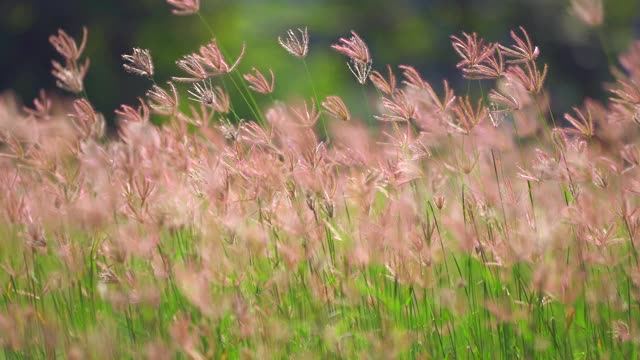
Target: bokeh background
column 398, row 32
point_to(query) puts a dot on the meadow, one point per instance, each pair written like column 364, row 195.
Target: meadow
column 443, row 225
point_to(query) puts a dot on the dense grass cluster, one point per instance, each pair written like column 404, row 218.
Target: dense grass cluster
column 457, row 227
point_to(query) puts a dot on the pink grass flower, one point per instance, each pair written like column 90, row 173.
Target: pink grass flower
column 139, row 62
column 335, row 107
column 523, row 50
column 208, row 62
column 387, row 87
column 358, row 52
column 161, row 101
column 259, row 82
column 354, row 48
column 66, row 46
column 296, row 44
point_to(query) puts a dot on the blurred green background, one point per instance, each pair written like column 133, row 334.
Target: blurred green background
column 398, row 32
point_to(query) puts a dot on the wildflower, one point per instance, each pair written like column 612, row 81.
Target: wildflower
column 86, row 120
column 139, row 63
column 466, row 117
column 491, row 67
column 309, row 116
column 128, row 113
column 184, row 7
column 412, row 77
column 211, row 56
column 399, row 108
column 297, row 46
column 529, row 77
column 203, row 93
column 259, row 83
column 473, row 51
column 206, row 94
column 66, row 45
column 208, row 62
column 358, row 53
column 523, row 51
column 70, row 78
column 479, row 61
column 161, row 101
column 419, row 150
column 360, row 70
column 507, row 100
column 387, row 87
column 590, row 12
column 354, row 48
column 583, row 125
column 191, row 65
column 336, row 108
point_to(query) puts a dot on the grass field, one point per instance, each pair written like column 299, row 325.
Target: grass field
column 456, row 227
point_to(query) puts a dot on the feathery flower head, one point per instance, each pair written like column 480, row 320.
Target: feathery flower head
column 184, row 7
column 528, row 76
column 506, row 100
column 360, row 70
column 354, row 48
column 161, row 101
column 203, row 93
column 70, row 78
column 472, row 50
column 296, row 45
column 139, row 63
column 192, row 66
column 479, row 61
column 86, row 120
column 211, row 56
column 583, row 123
column 130, row 114
column 336, row 108
column 214, row 97
column 467, row 118
column 523, row 50
column 590, row 12
column 259, row 82
column 309, row 116
column 358, row 53
column 387, row 87
column 66, row 45
column 209, row 61
column 398, row 108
